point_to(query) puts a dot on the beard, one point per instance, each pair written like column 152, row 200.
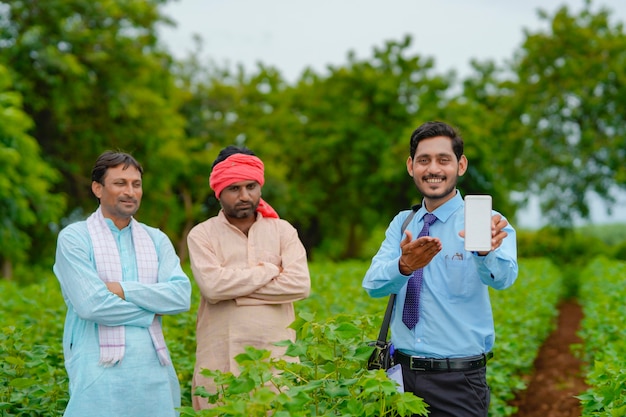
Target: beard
column 422, row 187
column 241, row 211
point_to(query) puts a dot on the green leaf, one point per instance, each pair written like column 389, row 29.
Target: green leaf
column 21, row 383
column 14, row 360
column 347, row 331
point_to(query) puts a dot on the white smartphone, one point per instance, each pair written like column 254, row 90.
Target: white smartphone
column 478, row 222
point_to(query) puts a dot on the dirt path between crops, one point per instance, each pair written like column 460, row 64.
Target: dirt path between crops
column 557, row 377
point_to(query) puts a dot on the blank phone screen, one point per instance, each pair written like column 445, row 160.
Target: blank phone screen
column 478, row 222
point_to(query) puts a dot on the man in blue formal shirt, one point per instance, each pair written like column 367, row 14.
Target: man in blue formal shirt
column 444, row 355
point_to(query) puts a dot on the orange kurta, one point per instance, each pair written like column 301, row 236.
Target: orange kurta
column 245, row 300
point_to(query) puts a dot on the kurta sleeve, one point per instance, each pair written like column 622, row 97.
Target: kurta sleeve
column 220, row 270
column 294, row 282
column 84, row 290
column 172, row 292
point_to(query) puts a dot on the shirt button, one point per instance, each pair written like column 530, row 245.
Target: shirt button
column 419, row 340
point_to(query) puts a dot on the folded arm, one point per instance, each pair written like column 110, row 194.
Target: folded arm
column 293, row 282
column 85, row 291
column 172, row 292
column 218, row 283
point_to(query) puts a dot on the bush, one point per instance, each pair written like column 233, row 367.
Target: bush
column 330, row 379
column 619, row 251
column 561, row 246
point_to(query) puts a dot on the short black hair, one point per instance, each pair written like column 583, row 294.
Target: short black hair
column 110, row 159
column 432, row 130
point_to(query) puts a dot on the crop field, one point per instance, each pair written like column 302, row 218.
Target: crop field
column 334, row 325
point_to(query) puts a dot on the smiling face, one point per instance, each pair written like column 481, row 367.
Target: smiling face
column 435, row 170
column 119, row 194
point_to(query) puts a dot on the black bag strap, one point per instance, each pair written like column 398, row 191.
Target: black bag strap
column 384, row 328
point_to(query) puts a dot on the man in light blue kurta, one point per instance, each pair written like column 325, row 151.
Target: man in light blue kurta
column 139, row 383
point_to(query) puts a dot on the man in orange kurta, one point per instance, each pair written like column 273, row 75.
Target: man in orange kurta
column 250, row 266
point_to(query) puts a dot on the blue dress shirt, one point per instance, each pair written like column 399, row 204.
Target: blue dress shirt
column 456, row 319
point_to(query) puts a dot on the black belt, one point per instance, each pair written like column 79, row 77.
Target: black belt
column 418, row 363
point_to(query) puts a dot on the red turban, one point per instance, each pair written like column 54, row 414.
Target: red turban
column 240, row 167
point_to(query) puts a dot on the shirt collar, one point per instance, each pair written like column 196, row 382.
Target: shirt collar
column 114, row 228
column 446, row 210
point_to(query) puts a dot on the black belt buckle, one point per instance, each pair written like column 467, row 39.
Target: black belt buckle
column 419, row 363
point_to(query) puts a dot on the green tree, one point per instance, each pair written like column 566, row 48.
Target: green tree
column 570, row 108
column 482, row 113
column 346, row 166
column 334, row 145
column 94, row 77
column 27, row 205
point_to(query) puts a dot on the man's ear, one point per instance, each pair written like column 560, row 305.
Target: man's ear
column 463, row 163
column 409, row 165
column 96, row 189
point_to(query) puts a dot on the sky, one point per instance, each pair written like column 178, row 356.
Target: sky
column 292, row 35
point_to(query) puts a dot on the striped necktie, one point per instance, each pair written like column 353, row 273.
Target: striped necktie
column 411, row 312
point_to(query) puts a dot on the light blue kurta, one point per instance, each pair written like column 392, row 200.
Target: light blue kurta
column 139, row 385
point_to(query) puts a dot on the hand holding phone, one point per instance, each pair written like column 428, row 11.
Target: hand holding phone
column 478, row 223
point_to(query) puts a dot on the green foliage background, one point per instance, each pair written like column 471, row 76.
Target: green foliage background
column 602, row 298
column 78, row 77
column 335, row 323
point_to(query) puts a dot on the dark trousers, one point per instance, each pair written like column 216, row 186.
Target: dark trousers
column 450, row 394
